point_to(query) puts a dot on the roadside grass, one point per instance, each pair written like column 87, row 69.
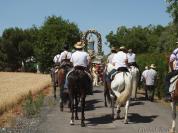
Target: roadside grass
column 15, row 87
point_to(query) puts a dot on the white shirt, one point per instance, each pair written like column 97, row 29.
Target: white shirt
column 144, row 74
column 151, row 77
column 110, row 57
column 80, row 58
column 131, row 57
column 56, row 58
column 119, row 59
column 174, row 57
column 65, row 55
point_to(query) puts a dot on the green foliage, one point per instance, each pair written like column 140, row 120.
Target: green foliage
column 52, row 36
column 31, row 107
column 160, row 60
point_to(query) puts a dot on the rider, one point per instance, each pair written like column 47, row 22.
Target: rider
column 110, row 57
column 120, row 61
column 80, row 60
column 174, row 72
column 131, row 58
column 65, row 56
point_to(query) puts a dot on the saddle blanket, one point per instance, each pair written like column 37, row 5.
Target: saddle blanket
column 173, row 82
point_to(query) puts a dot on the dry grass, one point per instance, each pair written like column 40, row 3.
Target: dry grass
column 15, row 86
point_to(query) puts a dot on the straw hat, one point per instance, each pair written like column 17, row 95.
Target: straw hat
column 146, row 67
column 152, row 66
column 122, row 48
column 79, row 45
column 113, row 49
column 130, row 50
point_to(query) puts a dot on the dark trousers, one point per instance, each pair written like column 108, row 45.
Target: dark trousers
column 149, row 92
column 167, row 80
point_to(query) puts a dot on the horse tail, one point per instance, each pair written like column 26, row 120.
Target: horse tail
column 125, row 94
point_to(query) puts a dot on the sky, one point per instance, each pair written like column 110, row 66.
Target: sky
column 102, row 15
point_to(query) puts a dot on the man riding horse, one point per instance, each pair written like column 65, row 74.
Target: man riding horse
column 174, row 72
column 80, row 60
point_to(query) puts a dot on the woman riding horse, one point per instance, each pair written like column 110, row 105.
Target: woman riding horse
column 79, row 81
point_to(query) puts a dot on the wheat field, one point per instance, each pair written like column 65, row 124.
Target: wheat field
column 15, row 86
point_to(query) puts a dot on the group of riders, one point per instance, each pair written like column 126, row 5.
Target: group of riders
column 122, row 59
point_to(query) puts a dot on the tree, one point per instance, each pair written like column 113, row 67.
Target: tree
column 53, row 34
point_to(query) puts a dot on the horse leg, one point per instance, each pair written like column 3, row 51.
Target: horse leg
column 112, row 104
column 82, row 111
column 126, row 111
column 173, row 107
column 61, row 98
column 76, row 108
column 118, row 111
column 72, row 111
column 105, row 94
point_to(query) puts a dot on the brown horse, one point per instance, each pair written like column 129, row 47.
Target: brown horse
column 64, row 94
column 78, row 84
column 174, row 95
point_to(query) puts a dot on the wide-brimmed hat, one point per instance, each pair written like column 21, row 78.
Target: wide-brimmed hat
column 113, row 49
column 146, row 67
column 122, row 48
column 79, row 45
column 152, row 66
column 130, row 50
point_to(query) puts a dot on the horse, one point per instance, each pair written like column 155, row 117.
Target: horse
column 121, row 86
column 54, row 80
column 135, row 81
column 64, row 94
column 78, row 85
column 174, row 100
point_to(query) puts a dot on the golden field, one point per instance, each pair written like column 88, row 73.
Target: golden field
column 15, row 86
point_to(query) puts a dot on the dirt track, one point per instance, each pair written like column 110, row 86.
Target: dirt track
column 144, row 117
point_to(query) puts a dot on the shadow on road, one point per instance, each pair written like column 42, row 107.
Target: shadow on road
column 97, row 91
column 136, row 118
column 90, row 104
column 103, row 119
column 136, row 103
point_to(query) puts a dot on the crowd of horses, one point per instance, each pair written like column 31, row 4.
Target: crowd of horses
column 119, row 92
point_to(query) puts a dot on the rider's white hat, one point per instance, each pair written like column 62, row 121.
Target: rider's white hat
column 152, row 66
column 79, row 45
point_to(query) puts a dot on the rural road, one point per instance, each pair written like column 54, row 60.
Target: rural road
column 144, row 117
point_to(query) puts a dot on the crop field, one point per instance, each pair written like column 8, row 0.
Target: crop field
column 15, row 86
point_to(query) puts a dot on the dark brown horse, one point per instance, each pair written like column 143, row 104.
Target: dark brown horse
column 78, row 84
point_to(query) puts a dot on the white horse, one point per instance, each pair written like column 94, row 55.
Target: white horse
column 122, row 88
column 135, row 80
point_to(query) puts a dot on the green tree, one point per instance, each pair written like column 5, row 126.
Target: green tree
column 53, row 34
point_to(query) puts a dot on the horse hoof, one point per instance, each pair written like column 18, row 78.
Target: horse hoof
column 71, row 122
column 118, row 117
column 82, row 124
column 125, row 122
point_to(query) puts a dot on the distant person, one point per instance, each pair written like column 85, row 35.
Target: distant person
column 150, row 80
column 56, row 59
column 65, row 56
column 131, row 58
column 143, row 80
column 174, row 72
